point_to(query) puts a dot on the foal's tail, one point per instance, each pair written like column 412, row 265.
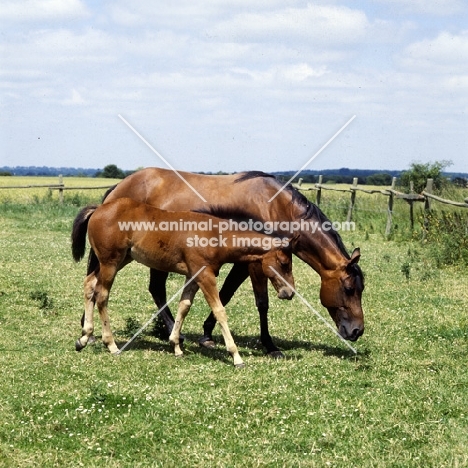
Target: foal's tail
column 80, row 227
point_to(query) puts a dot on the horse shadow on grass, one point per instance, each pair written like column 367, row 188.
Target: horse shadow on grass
column 250, row 343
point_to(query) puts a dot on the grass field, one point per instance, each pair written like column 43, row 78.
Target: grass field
column 401, row 402
column 40, row 194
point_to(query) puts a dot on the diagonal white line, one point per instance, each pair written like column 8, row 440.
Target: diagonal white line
column 312, row 158
column 159, row 311
column 316, row 313
column 159, row 156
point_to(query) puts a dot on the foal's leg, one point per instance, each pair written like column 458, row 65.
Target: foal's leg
column 103, row 286
column 184, row 306
column 238, row 274
column 87, row 321
column 207, row 283
column 93, row 267
column 260, row 288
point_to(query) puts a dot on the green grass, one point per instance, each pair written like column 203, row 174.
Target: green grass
column 401, row 402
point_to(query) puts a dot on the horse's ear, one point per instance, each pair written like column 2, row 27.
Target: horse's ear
column 288, row 248
column 355, row 256
column 293, row 240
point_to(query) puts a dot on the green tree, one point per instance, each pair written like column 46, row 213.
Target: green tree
column 419, row 173
column 111, row 171
column 379, row 179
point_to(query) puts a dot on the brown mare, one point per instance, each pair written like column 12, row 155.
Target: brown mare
column 178, row 251
column 341, row 277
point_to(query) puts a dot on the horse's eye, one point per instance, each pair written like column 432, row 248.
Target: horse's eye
column 349, row 291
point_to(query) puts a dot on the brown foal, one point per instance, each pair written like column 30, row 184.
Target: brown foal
column 124, row 230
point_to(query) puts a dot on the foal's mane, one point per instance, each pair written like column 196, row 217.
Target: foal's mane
column 236, row 214
column 311, row 211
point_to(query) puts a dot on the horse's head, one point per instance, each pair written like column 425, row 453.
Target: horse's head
column 340, row 293
column 277, row 266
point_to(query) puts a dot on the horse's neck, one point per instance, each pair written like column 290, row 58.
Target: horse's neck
column 319, row 251
column 247, row 250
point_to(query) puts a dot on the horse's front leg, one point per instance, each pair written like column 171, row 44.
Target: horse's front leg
column 185, row 303
column 88, row 319
column 260, row 288
column 207, row 282
column 238, row 274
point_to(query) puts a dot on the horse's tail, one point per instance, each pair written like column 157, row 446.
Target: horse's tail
column 80, row 227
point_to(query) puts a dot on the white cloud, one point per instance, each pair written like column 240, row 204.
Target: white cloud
column 446, row 53
column 38, row 10
column 51, row 48
column 186, row 14
column 427, row 7
column 201, row 77
column 75, row 100
column 302, row 72
column 321, row 24
column 457, row 83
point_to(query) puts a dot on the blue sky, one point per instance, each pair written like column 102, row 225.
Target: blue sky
column 234, row 85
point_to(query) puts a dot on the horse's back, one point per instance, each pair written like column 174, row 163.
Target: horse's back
column 168, row 190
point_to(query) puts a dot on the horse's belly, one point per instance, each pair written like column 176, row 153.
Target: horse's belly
column 161, row 263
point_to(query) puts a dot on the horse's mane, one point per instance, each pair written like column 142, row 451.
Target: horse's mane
column 253, row 175
column 311, row 211
column 108, row 191
column 227, row 212
column 236, row 214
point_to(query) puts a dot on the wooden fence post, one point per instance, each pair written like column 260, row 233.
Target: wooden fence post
column 428, row 189
column 319, row 191
column 388, row 228
column 353, row 200
column 411, row 213
column 61, row 189
column 427, row 206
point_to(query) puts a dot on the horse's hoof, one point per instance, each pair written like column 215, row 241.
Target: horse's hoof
column 240, row 365
column 78, row 345
column 207, row 343
column 92, row 339
column 276, row 354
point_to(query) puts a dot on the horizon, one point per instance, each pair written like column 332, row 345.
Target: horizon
column 286, row 171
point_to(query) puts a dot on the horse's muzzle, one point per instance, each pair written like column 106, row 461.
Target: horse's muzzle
column 285, row 293
column 353, row 335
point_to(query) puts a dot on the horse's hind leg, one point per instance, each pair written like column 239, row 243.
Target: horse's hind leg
column 88, row 320
column 184, row 306
column 105, row 279
column 93, row 267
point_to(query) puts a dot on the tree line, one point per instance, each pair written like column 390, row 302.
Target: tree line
column 417, row 173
